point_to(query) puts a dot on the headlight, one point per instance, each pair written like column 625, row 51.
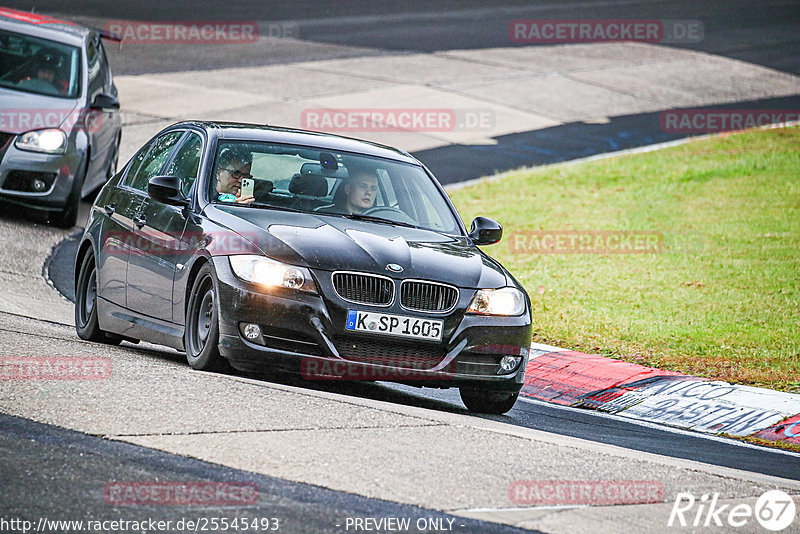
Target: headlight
column 503, row 301
column 51, row 140
column 267, row 272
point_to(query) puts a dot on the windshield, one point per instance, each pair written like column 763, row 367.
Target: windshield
column 338, row 184
column 38, row 65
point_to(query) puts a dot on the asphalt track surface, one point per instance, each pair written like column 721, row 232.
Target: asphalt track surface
column 57, row 465
column 766, row 33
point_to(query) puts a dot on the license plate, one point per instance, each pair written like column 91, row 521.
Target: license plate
column 395, row 325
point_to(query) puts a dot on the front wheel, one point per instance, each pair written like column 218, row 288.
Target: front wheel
column 86, row 323
column 492, row 402
column 68, row 216
column 202, row 324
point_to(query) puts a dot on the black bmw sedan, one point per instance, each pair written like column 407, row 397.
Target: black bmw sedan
column 263, row 247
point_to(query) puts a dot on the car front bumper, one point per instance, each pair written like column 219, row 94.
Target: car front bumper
column 19, row 169
column 305, row 333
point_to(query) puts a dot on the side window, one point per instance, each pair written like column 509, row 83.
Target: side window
column 93, row 60
column 386, row 187
column 186, row 163
column 151, row 163
column 91, row 51
column 105, row 67
column 99, row 73
column 136, row 163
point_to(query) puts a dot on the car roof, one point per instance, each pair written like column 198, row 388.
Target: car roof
column 43, row 26
column 294, row 136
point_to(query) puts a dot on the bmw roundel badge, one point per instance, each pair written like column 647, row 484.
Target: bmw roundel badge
column 394, row 268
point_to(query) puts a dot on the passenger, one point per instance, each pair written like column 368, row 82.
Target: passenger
column 232, row 167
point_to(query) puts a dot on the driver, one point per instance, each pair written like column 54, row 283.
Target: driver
column 360, row 192
column 43, row 78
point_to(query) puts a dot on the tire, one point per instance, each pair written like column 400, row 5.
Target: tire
column 68, row 216
column 86, row 323
column 491, row 402
column 201, row 338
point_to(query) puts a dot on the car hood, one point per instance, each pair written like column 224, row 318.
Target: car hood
column 21, row 112
column 336, row 243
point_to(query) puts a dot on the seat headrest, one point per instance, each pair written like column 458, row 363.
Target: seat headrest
column 309, row 184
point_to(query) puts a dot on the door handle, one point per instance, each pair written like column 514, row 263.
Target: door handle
column 139, row 221
column 110, row 209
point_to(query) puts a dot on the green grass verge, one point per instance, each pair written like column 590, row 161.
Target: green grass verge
column 721, row 299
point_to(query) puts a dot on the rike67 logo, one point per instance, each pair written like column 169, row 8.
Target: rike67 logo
column 774, row 510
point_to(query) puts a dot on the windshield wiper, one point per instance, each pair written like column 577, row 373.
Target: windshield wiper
column 271, row 207
column 356, row 216
column 362, row 217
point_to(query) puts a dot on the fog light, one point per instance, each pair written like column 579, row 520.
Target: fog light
column 508, row 364
column 39, row 185
column 252, row 331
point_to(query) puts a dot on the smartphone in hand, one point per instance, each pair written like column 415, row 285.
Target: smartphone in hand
column 247, row 188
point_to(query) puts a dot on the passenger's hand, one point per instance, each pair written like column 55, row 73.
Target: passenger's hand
column 243, row 200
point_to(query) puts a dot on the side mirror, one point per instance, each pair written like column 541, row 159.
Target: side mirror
column 167, row 190
column 105, row 102
column 485, row 231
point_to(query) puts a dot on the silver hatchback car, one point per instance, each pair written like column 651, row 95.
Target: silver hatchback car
column 59, row 114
